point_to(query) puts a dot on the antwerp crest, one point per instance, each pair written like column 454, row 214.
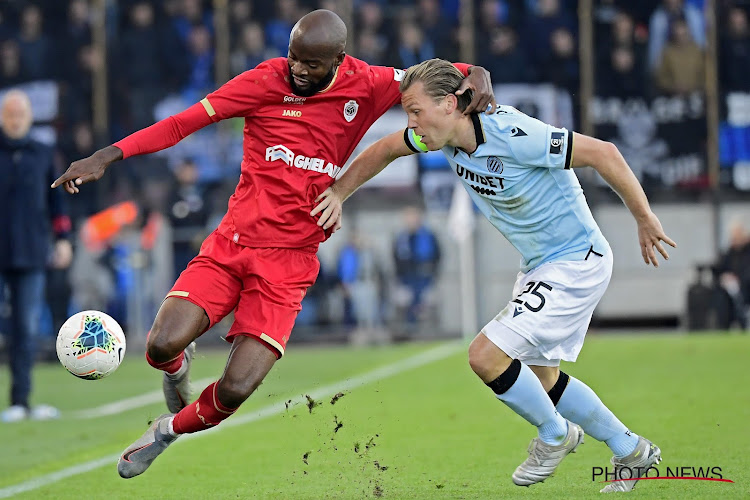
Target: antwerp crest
column 350, row 110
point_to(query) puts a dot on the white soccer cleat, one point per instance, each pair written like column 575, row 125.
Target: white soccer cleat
column 544, row 458
column 633, row 466
column 177, row 389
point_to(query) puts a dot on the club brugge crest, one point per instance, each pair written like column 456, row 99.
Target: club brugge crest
column 494, row 164
column 350, row 110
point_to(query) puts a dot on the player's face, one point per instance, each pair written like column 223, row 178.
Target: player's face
column 309, row 71
column 427, row 117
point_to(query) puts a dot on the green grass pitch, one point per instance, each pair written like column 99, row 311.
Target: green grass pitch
column 430, row 432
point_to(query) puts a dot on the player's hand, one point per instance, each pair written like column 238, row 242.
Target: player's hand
column 88, row 169
column 329, row 206
column 650, row 236
column 484, row 97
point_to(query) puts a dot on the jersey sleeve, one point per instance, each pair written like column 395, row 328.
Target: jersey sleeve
column 385, row 92
column 239, row 97
column 537, row 144
column 413, row 141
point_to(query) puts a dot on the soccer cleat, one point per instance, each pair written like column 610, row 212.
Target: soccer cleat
column 177, row 388
column 633, row 466
column 544, row 458
column 139, row 455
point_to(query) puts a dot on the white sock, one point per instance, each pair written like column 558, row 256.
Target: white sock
column 526, row 396
column 581, row 405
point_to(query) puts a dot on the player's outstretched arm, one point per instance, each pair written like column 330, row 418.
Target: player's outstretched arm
column 161, row 135
column 607, row 160
column 364, row 167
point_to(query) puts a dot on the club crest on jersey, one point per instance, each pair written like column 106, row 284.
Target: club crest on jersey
column 350, row 110
column 495, row 165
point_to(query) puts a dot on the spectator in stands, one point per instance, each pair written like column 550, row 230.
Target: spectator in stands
column 437, row 28
column 31, row 212
column 504, row 59
column 10, row 64
column 660, row 27
column 560, row 67
column 188, row 215
column 620, row 76
column 540, row 25
column 360, row 276
column 34, row 46
column 80, row 144
column 251, row 49
column 416, row 252
column 278, row 28
column 371, row 47
column 372, row 35
column 77, row 33
column 411, row 47
column 624, row 35
column 140, row 85
column 682, row 66
column 240, row 14
column 201, row 79
column 734, row 59
column 733, row 271
column 189, row 14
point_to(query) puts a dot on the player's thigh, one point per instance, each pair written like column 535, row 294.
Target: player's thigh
column 177, row 323
column 486, row 359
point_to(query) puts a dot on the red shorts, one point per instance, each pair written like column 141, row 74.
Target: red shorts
column 264, row 287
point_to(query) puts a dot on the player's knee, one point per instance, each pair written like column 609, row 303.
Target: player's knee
column 160, row 347
column 486, row 359
column 233, row 392
column 479, row 360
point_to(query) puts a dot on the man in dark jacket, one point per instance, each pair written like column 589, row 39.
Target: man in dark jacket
column 31, row 212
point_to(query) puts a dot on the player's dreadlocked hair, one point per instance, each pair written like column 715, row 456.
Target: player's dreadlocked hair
column 439, row 78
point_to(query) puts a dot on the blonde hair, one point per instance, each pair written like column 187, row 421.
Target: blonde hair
column 439, row 78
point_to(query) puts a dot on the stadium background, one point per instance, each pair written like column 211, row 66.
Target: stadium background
column 413, row 421
column 98, row 70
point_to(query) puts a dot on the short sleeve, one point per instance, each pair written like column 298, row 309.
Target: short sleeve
column 239, row 97
column 537, row 144
column 385, row 82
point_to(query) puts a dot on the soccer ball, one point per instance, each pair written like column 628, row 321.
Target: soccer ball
column 90, row 345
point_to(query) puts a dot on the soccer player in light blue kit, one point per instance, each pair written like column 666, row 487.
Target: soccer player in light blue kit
column 518, row 172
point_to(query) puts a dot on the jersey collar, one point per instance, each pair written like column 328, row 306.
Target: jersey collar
column 478, row 134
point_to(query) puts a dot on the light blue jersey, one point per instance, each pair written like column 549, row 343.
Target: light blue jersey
column 520, row 178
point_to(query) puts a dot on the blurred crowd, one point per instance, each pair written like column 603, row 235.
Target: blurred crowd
column 160, row 57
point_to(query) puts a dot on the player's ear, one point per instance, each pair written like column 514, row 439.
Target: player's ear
column 451, row 103
column 340, row 58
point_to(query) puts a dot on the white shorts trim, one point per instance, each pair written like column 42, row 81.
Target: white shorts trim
column 551, row 310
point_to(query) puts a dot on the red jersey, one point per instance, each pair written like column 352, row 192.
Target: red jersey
column 293, row 146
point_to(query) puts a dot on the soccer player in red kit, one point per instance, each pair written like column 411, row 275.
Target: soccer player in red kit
column 304, row 115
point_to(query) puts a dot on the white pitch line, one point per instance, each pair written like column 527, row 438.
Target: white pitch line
column 423, row 358
column 134, row 402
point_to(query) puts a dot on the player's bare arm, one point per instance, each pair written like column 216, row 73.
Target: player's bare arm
column 484, row 98
column 366, row 166
column 607, row 160
column 88, row 169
